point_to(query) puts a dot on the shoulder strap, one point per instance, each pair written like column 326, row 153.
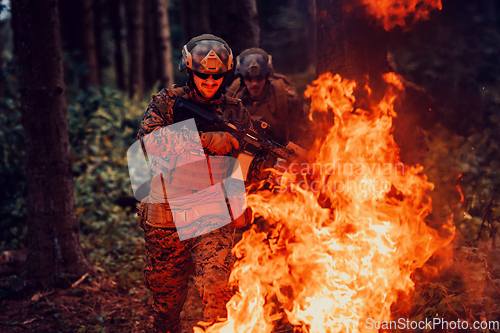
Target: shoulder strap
column 179, row 92
column 233, row 89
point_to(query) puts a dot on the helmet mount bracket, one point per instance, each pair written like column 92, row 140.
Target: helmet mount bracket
column 211, row 62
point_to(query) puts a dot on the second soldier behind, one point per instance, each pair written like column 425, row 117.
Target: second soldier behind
column 268, row 96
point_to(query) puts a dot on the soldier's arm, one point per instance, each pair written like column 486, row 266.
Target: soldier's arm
column 158, row 116
column 238, row 114
column 246, row 120
column 260, row 163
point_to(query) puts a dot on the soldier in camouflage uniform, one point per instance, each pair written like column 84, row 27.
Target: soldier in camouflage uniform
column 206, row 59
column 268, row 96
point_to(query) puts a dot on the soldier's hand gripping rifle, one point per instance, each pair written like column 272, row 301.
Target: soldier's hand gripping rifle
column 251, row 142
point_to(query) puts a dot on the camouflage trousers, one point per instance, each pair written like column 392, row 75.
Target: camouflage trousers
column 167, row 271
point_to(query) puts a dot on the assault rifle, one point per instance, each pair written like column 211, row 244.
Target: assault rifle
column 251, row 141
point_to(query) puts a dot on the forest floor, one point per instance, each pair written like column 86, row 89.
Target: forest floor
column 94, row 305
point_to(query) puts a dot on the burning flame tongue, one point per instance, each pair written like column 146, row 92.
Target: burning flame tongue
column 398, row 12
column 330, row 267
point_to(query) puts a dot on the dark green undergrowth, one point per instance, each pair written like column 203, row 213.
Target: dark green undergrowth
column 12, row 171
column 102, row 123
column 462, row 281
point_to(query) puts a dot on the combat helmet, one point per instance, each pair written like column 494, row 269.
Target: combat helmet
column 254, row 62
column 207, row 54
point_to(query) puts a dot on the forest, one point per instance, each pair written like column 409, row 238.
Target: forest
column 77, row 76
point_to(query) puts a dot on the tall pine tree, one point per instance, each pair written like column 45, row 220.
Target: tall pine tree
column 54, row 249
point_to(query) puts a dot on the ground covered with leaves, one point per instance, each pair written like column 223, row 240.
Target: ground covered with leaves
column 93, row 305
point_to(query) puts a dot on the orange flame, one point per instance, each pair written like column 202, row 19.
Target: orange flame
column 459, row 189
column 345, row 237
column 396, row 12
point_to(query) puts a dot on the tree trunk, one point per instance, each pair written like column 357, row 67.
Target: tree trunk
column 136, row 48
column 71, row 41
column 293, row 5
column 13, row 26
column 89, row 45
column 202, row 11
column 54, row 249
column 164, row 43
column 350, row 44
column 71, row 26
column 77, row 21
column 2, row 43
column 236, row 22
column 187, row 31
column 312, row 40
column 150, row 63
column 497, row 13
column 97, row 6
column 116, row 26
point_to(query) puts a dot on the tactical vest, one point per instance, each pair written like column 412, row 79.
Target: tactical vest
column 194, row 174
column 274, row 112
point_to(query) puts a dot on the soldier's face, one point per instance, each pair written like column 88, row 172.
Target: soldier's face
column 255, row 85
column 207, row 87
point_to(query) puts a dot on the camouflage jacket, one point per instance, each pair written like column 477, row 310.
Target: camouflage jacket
column 159, row 114
column 279, row 106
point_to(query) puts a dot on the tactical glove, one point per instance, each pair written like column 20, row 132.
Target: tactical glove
column 220, row 143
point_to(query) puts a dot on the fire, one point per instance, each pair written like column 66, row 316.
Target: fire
column 462, row 199
column 397, row 12
column 347, row 232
